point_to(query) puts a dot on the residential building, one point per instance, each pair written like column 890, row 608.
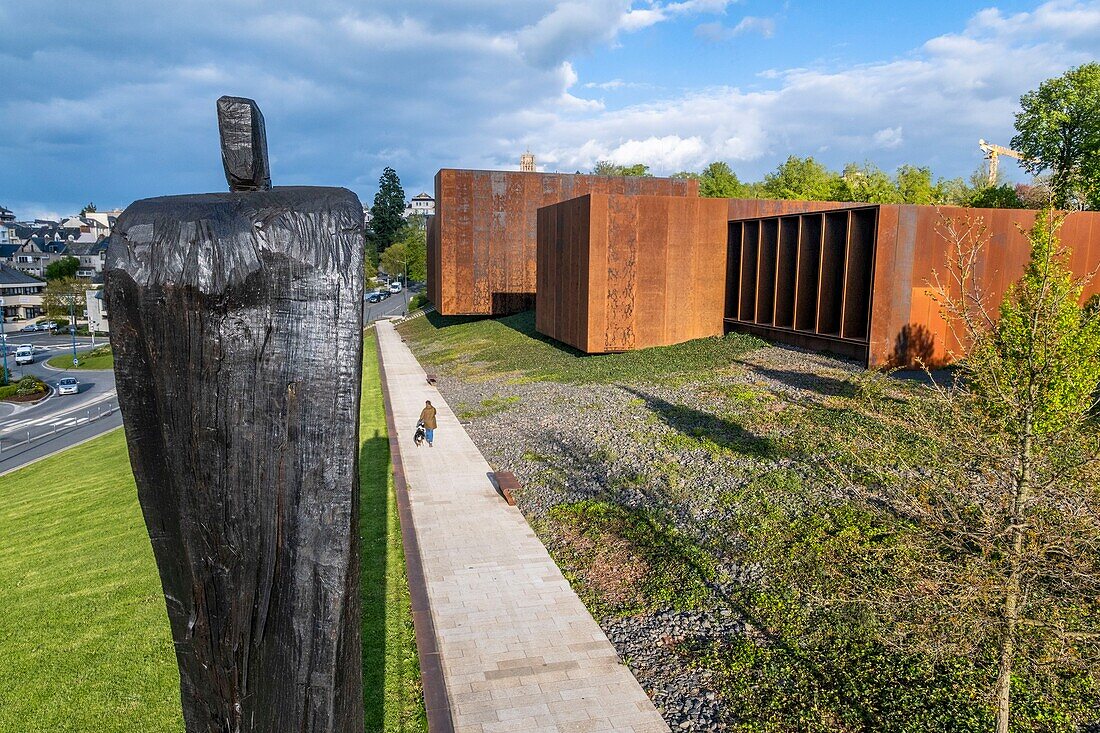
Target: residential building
column 21, row 294
column 422, row 204
column 6, row 216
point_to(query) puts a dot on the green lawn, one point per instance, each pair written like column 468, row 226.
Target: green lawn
column 389, row 646
column 97, row 358
column 487, row 346
column 84, row 638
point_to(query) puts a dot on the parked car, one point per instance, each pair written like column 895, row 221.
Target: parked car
column 395, row 286
column 47, row 326
column 374, row 297
column 24, row 354
column 29, row 327
column 68, row 385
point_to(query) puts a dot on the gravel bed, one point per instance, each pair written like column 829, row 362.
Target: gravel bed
column 568, row 443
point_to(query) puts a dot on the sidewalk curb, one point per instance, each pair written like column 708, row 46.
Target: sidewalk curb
column 437, row 703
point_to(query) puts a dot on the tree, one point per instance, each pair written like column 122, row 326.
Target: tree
column 407, row 255
column 388, row 211
column 607, row 168
column 718, row 181
column 800, row 178
column 915, row 185
column 89, row 208
column 1058, row 130
column 867, row 183
column 65, row 267
column 1008, row 511
column 63, row 293
column 1003, row 196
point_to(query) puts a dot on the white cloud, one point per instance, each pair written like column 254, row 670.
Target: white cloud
column 888, row 137
column 350, row 87
column 749, row 24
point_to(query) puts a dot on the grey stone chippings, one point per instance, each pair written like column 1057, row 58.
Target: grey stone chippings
column 569, row 443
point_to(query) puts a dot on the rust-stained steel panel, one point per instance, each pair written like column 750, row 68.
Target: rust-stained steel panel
column 624, row 271
column 864, row 277
column 484, row 253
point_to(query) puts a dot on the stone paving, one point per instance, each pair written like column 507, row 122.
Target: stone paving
column 519, row 651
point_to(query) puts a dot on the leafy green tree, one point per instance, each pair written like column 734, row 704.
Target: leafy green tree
column 409, row 254
column 62, row 268
column 1058, row 130
column 800, row 178
column 1003, row 196
column 915, row 185
column 607, row 168
column 718, row 181
column 89, row 208
column 867, row 183
column 388, row 211
column 62, row 293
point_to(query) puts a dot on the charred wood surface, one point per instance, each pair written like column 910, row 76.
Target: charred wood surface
column 236, row 327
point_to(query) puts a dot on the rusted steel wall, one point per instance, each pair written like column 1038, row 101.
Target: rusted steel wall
column 484, row 258
column 858, row 280
column 804, row 278
column 915, row 244
column 621, row 272
column 755, row 208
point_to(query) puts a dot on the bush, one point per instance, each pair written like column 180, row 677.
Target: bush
column 8, row 391
column 61, row 322
column 30, row 386
column 418, row 301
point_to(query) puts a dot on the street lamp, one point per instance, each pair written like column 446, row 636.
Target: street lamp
column 72, row 327
column 4, row 339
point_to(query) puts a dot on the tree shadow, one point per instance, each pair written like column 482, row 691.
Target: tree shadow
column 822, row 385
column 695, row 423
column 914, row 345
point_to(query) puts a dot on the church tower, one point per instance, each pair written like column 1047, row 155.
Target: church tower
column 527, row 162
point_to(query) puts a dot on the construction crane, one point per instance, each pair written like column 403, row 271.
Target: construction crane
column 992, row 152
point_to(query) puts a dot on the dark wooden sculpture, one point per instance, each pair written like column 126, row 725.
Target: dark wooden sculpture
column 236, row 323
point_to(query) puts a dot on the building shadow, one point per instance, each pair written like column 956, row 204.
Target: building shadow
column 695, row 423
column 509, row 303
column 374, row 462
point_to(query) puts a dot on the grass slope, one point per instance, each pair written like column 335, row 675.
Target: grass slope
column 391, row 672
column 85, row 639
column 488, row 346
column 83, row 631
column 98, row 358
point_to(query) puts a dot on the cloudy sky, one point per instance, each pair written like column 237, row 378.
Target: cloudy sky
column 114, row 100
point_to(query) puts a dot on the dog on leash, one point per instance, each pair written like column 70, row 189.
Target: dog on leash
column 420, row 434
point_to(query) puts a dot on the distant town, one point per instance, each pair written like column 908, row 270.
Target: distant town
column 34, row 252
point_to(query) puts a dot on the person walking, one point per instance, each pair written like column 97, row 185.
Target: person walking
column 427, row 416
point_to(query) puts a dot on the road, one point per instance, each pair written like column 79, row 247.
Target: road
column 29, row 432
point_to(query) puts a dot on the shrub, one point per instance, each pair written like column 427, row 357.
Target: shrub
column 418, row 301
column 30, row 386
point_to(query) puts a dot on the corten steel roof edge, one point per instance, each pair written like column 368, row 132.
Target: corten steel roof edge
column 852, row 207
column 690, row 183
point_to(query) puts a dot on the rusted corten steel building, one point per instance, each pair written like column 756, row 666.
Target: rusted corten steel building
column 617, row 273
column 482, row 239
column 857, row 279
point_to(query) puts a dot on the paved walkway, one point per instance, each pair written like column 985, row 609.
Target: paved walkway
column 519, row 650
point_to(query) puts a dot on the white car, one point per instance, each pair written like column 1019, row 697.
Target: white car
column 395, row 286
column 24, row 354
column 68, row 385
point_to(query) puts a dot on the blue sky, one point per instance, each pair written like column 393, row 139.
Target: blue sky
column 117, row 104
